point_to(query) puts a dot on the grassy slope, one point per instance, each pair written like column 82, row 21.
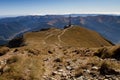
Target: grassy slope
column 73, row 36
column 35, row 60
column 78, row 36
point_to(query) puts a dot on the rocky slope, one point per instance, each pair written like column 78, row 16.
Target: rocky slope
column 47, row 55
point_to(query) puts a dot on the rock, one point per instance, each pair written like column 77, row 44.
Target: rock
column 95, row 68
column 3, row 62
column 53, row 78
column 93, row 74
column 15, row 50
column 50, row 52
column 45, row 59
column 6, row 69
column 117, row 79
column 54, row 72
column 44, row 76
column 76, row 51
column 2, row 69
column 105, row 70
column 80, row 78
column 60, row 70
column 68, row 63
column 106, row 79
column 69, row 68
column 108, row 76
column 57, row 60
column 78, row 74
column 57, row 72
column 64, row 74
column 87, row 71
column 33, row 51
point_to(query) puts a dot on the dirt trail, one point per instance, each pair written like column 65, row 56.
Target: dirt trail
column 59, row 36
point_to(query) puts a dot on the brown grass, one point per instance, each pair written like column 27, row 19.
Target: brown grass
column 24, row 67
column 27, row 64
column 79, row 36
column 109, row 52
column 107, row 68
column 3, row 50
column 96, row 61
column 74, row 36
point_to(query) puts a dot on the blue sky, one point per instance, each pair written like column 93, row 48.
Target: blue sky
column 43, row 7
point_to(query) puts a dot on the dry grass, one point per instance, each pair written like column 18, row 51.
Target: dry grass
column 3, row 50
column 109, row 68
column 24, row 67
column 12, row 59
column 27, row 64
column 96, row 61
column 81, row 37
column 109, row 52
column 73, row 36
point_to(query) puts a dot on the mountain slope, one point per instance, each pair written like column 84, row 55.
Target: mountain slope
column 11, row 27
column 73, row 53
column 73, row 36
column 107, row 26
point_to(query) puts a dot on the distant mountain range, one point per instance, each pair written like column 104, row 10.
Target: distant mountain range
column 107, row 25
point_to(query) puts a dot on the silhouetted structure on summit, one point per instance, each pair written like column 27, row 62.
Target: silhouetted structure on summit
column 69, row 20
column 69, row 23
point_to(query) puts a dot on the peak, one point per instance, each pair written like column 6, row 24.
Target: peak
column 74, row 35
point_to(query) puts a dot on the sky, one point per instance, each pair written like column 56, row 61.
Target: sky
column 44, row 7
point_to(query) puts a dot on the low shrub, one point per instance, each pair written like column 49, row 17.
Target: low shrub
column 33, row 51
column 17, row 42
column 105, row 69
column 3, row 50
column 112, row 52
column 12, row 59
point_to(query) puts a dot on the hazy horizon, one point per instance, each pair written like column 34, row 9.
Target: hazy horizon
column 46, row 7
column 3, row 16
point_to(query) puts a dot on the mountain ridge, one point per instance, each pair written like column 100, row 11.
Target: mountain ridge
column 71, row 53
column 106, row 25
column 73, row 36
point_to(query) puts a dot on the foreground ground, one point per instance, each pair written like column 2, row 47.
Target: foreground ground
column 58, row 63
column 61, row 56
